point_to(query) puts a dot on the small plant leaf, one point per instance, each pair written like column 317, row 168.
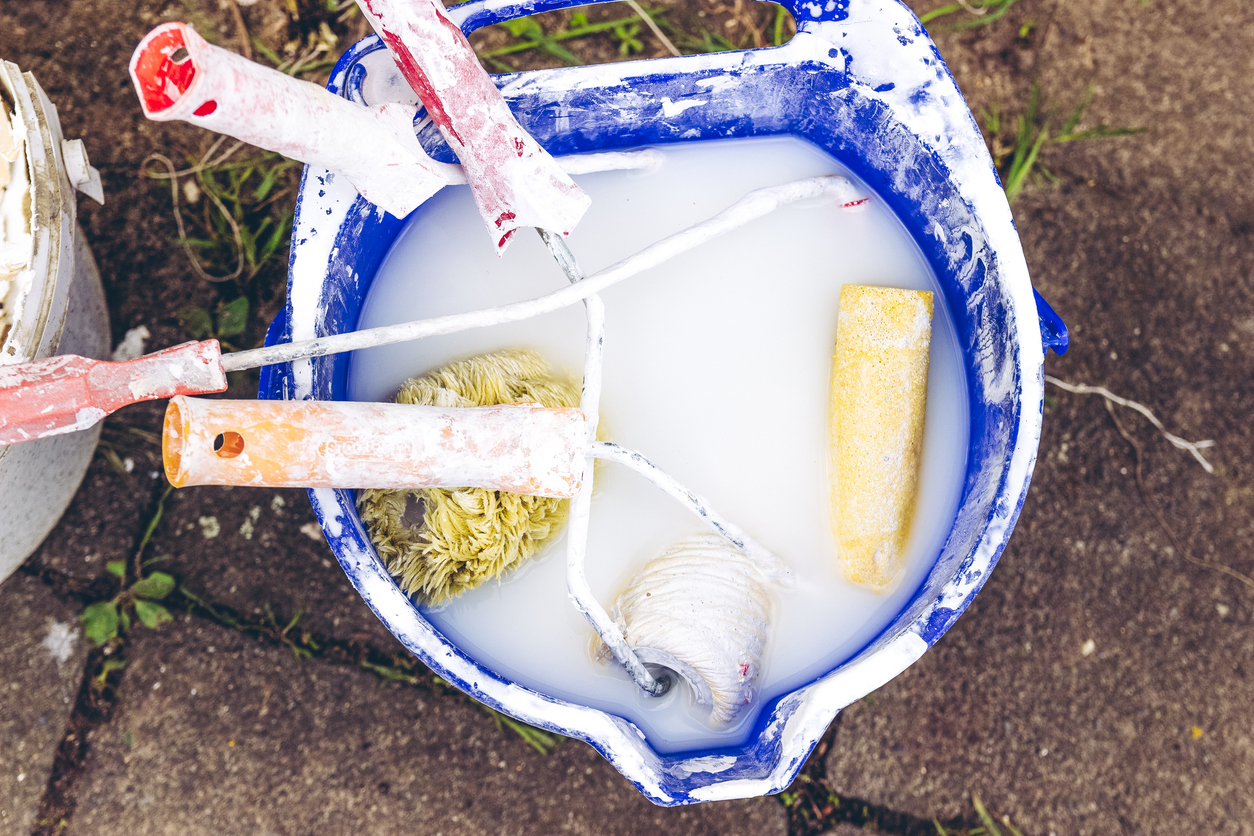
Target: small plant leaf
column 125, row 619
column 525, row 27
column 155, row 587
column 108, row 667
column 152, row 615
column 578, row 19
column 233, row 317
column 116, row 568
column 100, row 622
column 196, row 321
column 276, row 238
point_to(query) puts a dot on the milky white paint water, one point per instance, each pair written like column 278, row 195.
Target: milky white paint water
column 717, row 367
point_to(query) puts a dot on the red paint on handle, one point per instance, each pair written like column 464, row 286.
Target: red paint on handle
column 162, row 82
column 69, row 393
column 514, row 181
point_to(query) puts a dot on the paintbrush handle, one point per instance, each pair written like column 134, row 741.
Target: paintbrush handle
column 514, row 181
column 67, row 393
column 374, row 148
column 520, row 448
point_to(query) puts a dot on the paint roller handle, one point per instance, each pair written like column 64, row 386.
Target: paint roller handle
column 179, row 76
column 67, row 393
column 520, row 448
column 514, row 181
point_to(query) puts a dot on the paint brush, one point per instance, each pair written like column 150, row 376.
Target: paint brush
column 514, row 181
column 67, row 393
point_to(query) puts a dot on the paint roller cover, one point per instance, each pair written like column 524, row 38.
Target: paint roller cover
column 514, row 181
column 878, row 401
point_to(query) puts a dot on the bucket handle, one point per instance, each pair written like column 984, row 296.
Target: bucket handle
column 1053, row 329
column 804, row 12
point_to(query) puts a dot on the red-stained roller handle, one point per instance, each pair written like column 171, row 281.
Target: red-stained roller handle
column 514, row 181
column 68, row 393
column 179, row 76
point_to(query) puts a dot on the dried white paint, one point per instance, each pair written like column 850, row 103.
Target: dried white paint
column 60, row 640
column 132, row 345
column 210, row 527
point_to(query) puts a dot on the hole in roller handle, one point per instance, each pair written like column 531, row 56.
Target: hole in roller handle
column 228, row 444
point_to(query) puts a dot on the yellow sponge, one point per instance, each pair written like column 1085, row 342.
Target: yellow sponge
column 879, row 395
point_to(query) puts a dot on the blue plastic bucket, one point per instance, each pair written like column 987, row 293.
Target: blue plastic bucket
column 861, row 80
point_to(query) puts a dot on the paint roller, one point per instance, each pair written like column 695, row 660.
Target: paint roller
column 179, row 76
column 875, row 442
column 514, row 181
column 521, row 448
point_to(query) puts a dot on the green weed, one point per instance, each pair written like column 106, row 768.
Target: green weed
column 1017, row 157
column 541, row 741
column 106, row 621
column 530, row 34
column 988, row 826
column 781, row 17
column 625, row 34
column 982, row 13
column 229, row 319
column 243, row 219
column 707, row 42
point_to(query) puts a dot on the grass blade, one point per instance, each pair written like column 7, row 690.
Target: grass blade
column 990, row 826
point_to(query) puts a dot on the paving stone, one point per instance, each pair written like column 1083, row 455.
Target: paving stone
column 216, row 733
column 41, row 668
column 253, row 549
column 844, row 829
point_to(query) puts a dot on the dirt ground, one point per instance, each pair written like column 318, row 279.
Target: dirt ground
column 1101, row 683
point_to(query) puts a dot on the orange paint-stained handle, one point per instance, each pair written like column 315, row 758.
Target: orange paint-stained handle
column 67, row 393
column 520, row 448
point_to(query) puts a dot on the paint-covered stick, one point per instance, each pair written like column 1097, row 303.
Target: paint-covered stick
column 514, row 181
column 67, row 393
column 521, row 448
column 180, row 76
